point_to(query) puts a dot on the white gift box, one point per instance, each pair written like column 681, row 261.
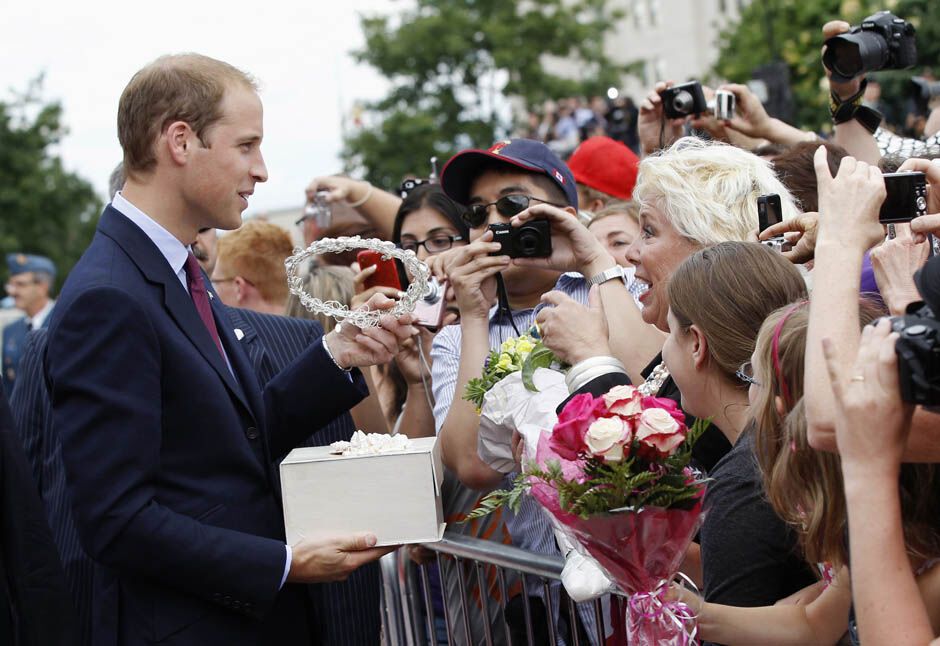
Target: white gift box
column 395, row 495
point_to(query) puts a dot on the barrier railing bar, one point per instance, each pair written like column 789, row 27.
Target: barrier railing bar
column 462, row 583
column 527, row 611
column 428, row 605
column 599, row 621
column 549, row 610
column 573, row 619
column 447, row 621
column 484, row 606
column 507, row 556
column 501, row 578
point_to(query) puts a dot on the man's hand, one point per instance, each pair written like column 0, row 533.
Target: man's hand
column 362, row 295
column 333, row 559
column 803, row 227
column 571, row 330
column 650, row 125
column 471, row 271
column 574, row 248
column 894, row 263
column 850, row 202
column 354, row 347
column 872, row 422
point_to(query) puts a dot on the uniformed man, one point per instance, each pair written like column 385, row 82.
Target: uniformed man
column 29, row 285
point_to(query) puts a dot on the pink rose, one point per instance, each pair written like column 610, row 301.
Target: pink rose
column 666, row 404
column 608, row 437
column 624, row 400
column 659, row 430
column 568, row 435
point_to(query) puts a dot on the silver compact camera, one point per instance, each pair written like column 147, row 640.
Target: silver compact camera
column 319, row 210
column 723, row 105
column 770, row 212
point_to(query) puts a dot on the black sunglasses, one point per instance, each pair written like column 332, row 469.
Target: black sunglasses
column 508, row 205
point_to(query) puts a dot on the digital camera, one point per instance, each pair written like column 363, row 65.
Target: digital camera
column 531, row 240
column 688, row 98
column 429, row 311
column 906, row 197
column 918, row 350
column 769, row 212
column 882, row 42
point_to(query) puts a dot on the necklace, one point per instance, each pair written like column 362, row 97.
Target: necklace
column 655, row 381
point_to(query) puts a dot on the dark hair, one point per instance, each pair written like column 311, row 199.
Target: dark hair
column 797, row 171
column 433, row 197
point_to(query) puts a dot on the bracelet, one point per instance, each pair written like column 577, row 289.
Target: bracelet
column 329, row 353
column 360, row 202
column 590, row 369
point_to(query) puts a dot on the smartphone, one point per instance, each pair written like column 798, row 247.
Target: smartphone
column 769, row 211
column 906, row 198
column 386, row 272
column 430, row 309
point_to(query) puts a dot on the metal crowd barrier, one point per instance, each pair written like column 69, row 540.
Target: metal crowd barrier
column 408, row 613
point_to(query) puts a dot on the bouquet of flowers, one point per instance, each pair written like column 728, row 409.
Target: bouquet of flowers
column 615, row 472
column 523, row 354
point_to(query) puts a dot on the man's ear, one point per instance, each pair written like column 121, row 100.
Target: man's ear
column 699, row 347
column 177, row 139
column 241, row 289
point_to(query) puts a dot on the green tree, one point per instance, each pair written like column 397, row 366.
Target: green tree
column 44, row 209
column 794, row 29
column 454, row 64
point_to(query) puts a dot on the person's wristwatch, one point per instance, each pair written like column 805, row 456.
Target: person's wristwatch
column 608, row 274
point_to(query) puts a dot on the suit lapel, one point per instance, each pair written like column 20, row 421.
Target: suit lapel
column 145, row 254
column 242, row 365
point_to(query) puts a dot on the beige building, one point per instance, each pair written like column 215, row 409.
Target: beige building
column 673, row 40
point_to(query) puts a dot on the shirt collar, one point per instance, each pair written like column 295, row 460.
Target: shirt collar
column 169, row 245
column 40, row 317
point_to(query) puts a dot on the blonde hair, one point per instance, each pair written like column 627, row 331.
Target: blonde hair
column 328, row 283
column 616, row 207
column 803, row 485
column 709, row 191
column 180, row 87
column 256, row 251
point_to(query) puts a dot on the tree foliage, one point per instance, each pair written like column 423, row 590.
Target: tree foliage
column 453, row 64
column 44, row 209
column 794, row 29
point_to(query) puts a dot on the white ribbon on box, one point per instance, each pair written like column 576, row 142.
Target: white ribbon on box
column 510, row 407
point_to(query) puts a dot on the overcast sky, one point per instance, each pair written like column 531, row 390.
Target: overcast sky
column 297, row 49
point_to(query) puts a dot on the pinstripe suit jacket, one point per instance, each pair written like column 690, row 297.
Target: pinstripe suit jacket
column 345, row 613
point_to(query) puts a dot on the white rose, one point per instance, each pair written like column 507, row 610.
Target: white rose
column 623, row 400
column 658, row 429
column 605, row 438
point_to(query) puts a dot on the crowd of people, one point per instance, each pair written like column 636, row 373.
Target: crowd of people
column 151, row 403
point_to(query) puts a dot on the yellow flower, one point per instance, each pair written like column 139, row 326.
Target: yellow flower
column 505, row 362
column 508, row 345
column 524, row 346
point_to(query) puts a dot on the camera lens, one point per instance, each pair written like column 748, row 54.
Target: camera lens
column 436, row 292
column 853, row 54
column 683, row 102
column 529, row 240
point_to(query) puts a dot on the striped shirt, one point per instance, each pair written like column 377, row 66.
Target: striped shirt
column 530, row 529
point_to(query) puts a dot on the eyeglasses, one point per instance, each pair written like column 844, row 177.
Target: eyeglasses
column 507, row 206
column 437, row 244
column 746, row 374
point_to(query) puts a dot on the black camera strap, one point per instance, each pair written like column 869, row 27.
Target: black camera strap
column 502, row 303
column 843, row 110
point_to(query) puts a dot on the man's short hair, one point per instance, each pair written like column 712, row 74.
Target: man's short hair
column 180, row 87
column 257, row 252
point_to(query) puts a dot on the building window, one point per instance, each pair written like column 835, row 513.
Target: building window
column 653, row 6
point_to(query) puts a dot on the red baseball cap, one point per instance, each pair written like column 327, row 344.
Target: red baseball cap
column 605, row 165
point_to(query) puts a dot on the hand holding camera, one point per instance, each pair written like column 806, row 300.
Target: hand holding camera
column 930, row 221
column 572, row 247
column 653, row 133
column 849, row 203
column 471, row 272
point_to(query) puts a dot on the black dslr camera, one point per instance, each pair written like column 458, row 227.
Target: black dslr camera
column 882, row 42
column 918, row 350
column 531, row 240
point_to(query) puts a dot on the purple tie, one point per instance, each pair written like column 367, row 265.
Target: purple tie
column 197, row 291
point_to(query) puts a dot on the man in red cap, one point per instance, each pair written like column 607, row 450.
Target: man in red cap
column 604, row 170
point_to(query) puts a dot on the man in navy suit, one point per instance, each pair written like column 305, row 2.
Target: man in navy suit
column 167, row 438
column 29, row 284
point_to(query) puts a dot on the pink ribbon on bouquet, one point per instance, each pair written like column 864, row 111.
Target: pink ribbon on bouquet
column 654, row 621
